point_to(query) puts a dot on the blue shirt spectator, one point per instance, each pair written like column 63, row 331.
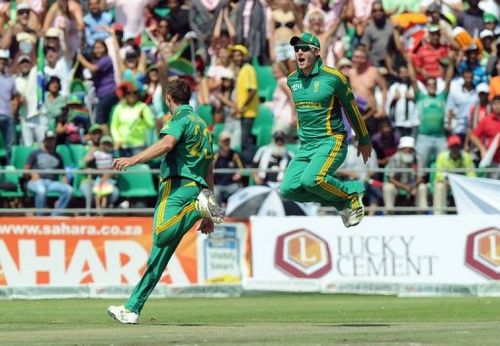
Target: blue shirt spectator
column 95, row 21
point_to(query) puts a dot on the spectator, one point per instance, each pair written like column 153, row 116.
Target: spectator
column 472, row 18
column 285, row 117
column 487, row 39
column 282, row 27
column 495, row 82
column 471, row 62
column 222, row 38
column 202, row 17
column 42, row 183
column 102, row 71
column 410, row 184
column 353, row 168
column 104, row 186
column 73, row 123
column 272, row 160
column 56, row 64
column 219, row 69
column 154, row 91
column 95, row 21
column 8, row 93
column 385, row 142
column 484, row 136
column 401, row 106
column 54, row 102
column 11, row 39
column 33, row 124
column 247, row 99
column 460, row 100
column 436, row 18
column 130, row 121
column 431, row 138
column 178, row 18
column 67, row 16
column 251, row 29
column 130, row 13
column 377, row 34
column 453, row 158
column 478, row 112
column 428, row 58
column 226, row 184
column 490, row 22
column 364, row 79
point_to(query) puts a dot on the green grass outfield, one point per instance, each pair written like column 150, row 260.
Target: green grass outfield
column 300, row 319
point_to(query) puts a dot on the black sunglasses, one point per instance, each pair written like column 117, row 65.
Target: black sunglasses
column 304, row 48
column 22, row 12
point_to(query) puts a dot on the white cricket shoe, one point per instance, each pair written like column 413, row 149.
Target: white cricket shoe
column 352, row 217
column 122, row 315
column 207, row 206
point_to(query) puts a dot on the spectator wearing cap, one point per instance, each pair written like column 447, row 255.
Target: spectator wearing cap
column 484, row 136
column 226, row 184
column 34, row 124
column 26, row 23
column 401, row 104
column 272, row 161
column 364, row 78
column 377, row 34
column 434, row 13
column 462, row 97
column 471, row 62
column 130, row 122
column 478, row 112
column 41, row 183
column 407, row 183
column 54, row 102
column 285, row 115
column 449, row 160
column 74, row 121
column 247, row 99
column 490, row 22
column 431, row 106
column 428, row 58
column 8, row 93
column 487, row 38
column 251, row 28
column 94, row 22
column 472, row 18
column 58, row 59
column 103, row 188
column 102, row 71
column 66, row 15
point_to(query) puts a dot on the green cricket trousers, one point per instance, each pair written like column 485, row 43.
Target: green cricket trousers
column 174, row 215
column 310, row 177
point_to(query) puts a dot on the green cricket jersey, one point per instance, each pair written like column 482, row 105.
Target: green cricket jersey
column 318, row 99
column 191, row 156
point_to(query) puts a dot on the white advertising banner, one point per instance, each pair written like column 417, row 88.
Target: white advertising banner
column 421, row 250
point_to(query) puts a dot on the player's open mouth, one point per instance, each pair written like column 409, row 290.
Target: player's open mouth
column 301, row 59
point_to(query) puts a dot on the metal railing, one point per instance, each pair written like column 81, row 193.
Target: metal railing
column 88, row 210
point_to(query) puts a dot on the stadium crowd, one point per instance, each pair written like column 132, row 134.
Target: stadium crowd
column 81, row 82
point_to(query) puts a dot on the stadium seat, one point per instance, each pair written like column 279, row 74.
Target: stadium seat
column 3, row 149
column 19, row 156
column 137, row 181
column 263, row 125
column 205, row 112
column 11, row 177
column 265, row 80
column 72, row 154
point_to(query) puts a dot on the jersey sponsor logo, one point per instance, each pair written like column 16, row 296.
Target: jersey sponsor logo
column 308, row 105
column 316, row 86
column 296, row 86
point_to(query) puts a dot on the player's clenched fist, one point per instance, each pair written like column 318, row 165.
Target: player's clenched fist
column 123, row 162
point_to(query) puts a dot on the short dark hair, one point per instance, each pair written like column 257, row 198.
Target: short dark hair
column 179, row 90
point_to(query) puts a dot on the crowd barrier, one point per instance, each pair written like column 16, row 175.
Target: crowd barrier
column 402, row 255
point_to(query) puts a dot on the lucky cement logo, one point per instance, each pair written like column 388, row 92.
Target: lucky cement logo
column 482, row 252
column 303, row 254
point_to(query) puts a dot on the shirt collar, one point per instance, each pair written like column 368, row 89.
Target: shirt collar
column 182, row 108
column 315, row 70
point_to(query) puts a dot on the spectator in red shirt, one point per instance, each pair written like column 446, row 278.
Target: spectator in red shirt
column 428, row 57
column 484, row 135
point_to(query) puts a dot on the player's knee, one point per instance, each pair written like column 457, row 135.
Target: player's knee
column 309, row 182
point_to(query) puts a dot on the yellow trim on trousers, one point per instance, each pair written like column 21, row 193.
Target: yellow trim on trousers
column 164, row 199
column 187, row 209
